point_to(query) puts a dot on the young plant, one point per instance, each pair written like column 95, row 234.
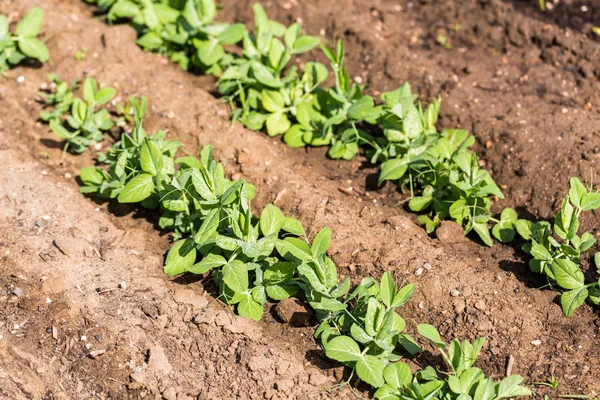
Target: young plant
column 14, row 48
column 85, row 125
column 463, row 381
column 366, row 333
column 558, row 255
column 184, row 31
column 138, row 165
column 59, row 100
column 443, row 175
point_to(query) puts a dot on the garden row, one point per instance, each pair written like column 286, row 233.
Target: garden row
column 255, row 259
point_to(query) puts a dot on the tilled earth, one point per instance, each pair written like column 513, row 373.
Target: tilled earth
column 86, row 311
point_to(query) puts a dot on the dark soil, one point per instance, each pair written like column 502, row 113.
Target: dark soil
column 525, row 83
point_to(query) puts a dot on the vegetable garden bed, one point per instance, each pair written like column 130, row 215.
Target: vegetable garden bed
column 464, row 289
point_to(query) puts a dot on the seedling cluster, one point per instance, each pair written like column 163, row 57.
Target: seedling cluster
column 15, row 47
column 254, row 260
column 257, row 259
column 442, row 174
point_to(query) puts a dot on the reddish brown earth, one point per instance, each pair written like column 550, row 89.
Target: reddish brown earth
column 520, row 80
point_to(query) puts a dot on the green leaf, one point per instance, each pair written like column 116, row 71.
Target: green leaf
column 397, row 375
column 403, row 295
column 271, row 220
column 293, row 226
column 207, row 263
column 137, row 189
column 393, row 169
column 292, row 34
column 277, row 123
column 572, row 299
column 34, row 48
column 272, row 100
column 412, row 123
column 181, row 256
column 370, row 369
column 208, row 228
column 577, row 192
column 91, row 176
column 304, row 44
column 483, row 231
column 151, row 158
column 31, row 24
column 387, row 289
column 235, row 276
column 89, row 90
column 430, row 333
column 249, row 308
column 567, row 274
column 281, row 292
column 343, row 349
column 233, row 34
column 105, row 95
column 591, row 201
column 321, row 242
column 298, row 248
column 510, row 387
column 294, row 136
column 3, row 26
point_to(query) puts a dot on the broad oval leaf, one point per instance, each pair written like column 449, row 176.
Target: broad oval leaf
column 370, row 369
column 343, row 349
column 137, row 189
column 31, row 24
column 34, row 48
column 181, row 256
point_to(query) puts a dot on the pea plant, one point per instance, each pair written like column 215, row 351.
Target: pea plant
column 59, row 100
column 185, row 31
column 557, row 249
column 15, row 47
column 463, row 381
column 254, row 260
column 443, row 175
column 266, row 91
column 86, row 123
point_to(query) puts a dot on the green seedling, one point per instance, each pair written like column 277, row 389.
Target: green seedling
column 259, row 83
column 138, row 165
column 184, row 31
column 463, row 381
column 443, row 175
column 14, row 48
column 59, row 99
column 558, row 255
column 367, row 336
column 81, row 54
column 85, row 125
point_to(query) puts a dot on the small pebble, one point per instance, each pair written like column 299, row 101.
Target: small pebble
column 170, row 115
column 83, row 338
column 427, row 266
column 454, row 293
column 68, row 175
column 46, row 217
column 88, row 346
column 18, row 292
column 123, row 285
column 1, row 337
column 21, row 79
column 536, row 342
column 480, row 305
column 16, row 327
column 44, row 86
column 419, row 271
column 48, row 301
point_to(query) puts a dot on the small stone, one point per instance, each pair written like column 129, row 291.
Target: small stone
column 419, row 271
column 170, row 115
column 454, row 293
column 18, row 292
column 170, row 393
column 427, row 266
column 83, row 338
column 21, row 79
column 480, row 305
column 536, row 342
column 68, row 175
column 48, row 301
column 123, row 285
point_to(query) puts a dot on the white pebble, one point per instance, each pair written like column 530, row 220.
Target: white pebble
column 46, row 217
column 536, row 342
column 454, row 293
column 48, row 301
column 83, row 338
column 68, row 175
column 419, row 271
column 88, row 346
column 16, row 327
column 21, row 79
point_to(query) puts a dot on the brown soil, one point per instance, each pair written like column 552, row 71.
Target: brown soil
column 518, row 79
